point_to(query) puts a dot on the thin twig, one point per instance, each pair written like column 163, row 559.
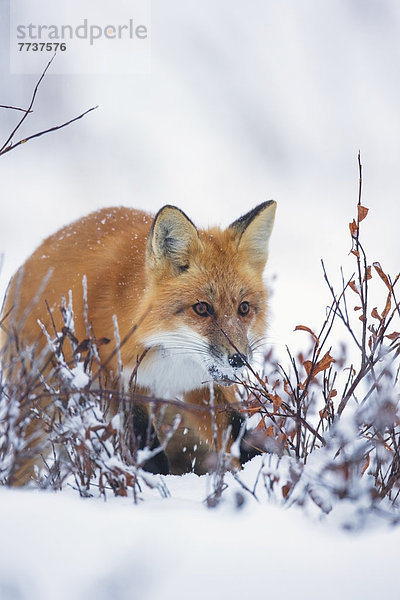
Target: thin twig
column 56, row 128
column 28, row 110
column 15, row 108
column 8, row 145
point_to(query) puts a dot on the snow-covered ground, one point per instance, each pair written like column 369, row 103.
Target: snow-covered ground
column 244, row 102
column 54, row 546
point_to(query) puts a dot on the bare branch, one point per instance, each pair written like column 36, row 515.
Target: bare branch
column 15, row 108
column 31, row 137
column 8, row 145
column 28, row 110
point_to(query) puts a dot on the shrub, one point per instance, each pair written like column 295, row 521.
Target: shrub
column 328, row 427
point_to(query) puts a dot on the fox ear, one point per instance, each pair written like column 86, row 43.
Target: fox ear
column 172, row 238
column 253, row 231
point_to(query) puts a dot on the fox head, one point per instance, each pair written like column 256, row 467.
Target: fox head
column 206, row 298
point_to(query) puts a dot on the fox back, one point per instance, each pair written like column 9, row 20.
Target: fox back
column 190, row 303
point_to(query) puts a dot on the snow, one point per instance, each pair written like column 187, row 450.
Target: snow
column 56, row 546
column 80, row 379
column 244, row 103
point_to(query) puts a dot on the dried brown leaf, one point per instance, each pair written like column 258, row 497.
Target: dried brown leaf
column 375, row 314
column 354, row 287
column 362, row 212
column 276, row 384
column 286, row 489
column 388, row 306
column 83, row 346
column 324, row 363
column 368, row 274
column 321, row 365
column 260, row 380
column 277, row 402
column 269, row 431
column 310, row 331
column 382, row 275
column 307, row 364
column 353, row 228
column 68, row 333
column 287, row 389
column 393, row 336
column 323, row 413
column 366, row 465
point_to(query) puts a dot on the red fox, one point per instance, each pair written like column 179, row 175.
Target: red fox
column 197, row 298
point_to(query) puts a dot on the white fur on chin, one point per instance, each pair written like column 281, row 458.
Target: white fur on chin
column 179, row 362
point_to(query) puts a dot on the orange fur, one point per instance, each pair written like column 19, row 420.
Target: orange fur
column 154, row 272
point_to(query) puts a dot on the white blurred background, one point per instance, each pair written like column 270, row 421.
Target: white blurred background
column 245, row 102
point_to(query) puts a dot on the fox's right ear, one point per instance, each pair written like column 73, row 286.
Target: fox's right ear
column 172, row 239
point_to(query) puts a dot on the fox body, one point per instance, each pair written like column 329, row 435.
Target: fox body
column 191, row 303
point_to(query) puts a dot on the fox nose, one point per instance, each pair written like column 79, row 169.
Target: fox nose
column 236, row 361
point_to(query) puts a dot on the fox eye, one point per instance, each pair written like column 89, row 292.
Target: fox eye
column 244, row 309
column 203, row 309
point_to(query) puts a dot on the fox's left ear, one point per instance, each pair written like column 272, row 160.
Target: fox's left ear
column 253, row 231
